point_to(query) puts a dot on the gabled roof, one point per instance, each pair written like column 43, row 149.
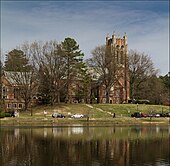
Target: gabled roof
column 17, row 78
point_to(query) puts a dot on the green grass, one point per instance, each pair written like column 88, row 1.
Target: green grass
column 99, row 114
column 128, row 109
column 98, row 110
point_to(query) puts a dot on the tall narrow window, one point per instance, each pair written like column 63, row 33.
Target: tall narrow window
column 117, row 57
column 122, row 59
column 4, row 92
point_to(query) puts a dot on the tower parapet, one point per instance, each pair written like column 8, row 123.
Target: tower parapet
column 117, row 41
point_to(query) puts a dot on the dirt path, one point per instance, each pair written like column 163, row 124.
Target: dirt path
column 99, row 109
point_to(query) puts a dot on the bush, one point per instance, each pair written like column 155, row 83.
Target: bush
column 7, row 114
column 2, row 114
column 143, row 101
column 139, row 101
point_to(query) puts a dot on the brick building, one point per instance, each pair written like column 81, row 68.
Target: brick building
column 118, row 54
column 10, row 93
column 119, row 92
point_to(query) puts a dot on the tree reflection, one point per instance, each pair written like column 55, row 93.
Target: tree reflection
column 85, row 146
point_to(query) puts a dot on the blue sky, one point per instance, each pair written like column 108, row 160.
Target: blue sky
column 88, row 22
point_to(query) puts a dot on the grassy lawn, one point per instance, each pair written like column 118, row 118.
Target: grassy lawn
column 118, row 109
column 128, row 109
column 98, row 113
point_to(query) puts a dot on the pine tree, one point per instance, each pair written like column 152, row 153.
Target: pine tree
column 74, row 60
column 16, row 61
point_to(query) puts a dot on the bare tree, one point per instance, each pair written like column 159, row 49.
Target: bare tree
column 51, row 69
column 104, row 65
column 56, row 66
column 141, row 68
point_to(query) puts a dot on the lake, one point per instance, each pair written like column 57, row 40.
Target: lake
column 79, row 145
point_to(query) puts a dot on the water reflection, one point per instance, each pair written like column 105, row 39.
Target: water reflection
column 45, row 132
column 77, row 129
column 16, row 132
column 85, row 146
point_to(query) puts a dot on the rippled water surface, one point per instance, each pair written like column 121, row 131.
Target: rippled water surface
column 85, row 146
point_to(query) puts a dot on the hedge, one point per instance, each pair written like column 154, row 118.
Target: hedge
column 2, row 114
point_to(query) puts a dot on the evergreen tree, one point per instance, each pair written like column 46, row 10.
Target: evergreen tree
column 166, row 91
column 74, row 60
column 16, row 61
column 84, row 90
column 166, row 80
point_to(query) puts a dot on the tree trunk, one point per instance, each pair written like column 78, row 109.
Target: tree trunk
column 58, row 97
column 26, row 105
column 107, row 96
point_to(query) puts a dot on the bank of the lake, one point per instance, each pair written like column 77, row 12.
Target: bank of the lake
column 99, row 114
column 90, row 122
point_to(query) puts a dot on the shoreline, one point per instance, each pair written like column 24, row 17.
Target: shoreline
column 51, row 122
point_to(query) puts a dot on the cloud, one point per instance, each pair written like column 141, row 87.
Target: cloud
column 88, row 23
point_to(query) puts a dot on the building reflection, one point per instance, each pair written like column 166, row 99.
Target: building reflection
column 45, row 132
column 16, row 132
column 77, row 129
column 78, row 145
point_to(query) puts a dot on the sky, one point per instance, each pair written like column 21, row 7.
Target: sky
column 146, row 24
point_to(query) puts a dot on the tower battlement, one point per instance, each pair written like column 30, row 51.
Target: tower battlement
column 116, row 41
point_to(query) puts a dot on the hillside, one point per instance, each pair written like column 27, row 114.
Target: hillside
column 99, row 114
column 100, row 110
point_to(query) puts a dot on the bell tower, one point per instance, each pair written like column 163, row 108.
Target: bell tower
column 117, row 53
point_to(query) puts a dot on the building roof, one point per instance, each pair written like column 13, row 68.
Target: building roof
column 17, row 78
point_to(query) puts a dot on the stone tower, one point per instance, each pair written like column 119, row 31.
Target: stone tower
column 118, row 55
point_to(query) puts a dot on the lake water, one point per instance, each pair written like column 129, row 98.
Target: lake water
column 79, row 145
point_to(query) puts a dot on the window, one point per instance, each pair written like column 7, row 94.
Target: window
column 117, row 93
column 14, row 105
column 20, row 105
column 122, row 58
column 16, row 93
column 4, row 93
column 9, row 105
column 117, row 57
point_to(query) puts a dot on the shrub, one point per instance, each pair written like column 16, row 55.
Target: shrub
column 2, row 114
column 7, row 114
column 142, row 102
